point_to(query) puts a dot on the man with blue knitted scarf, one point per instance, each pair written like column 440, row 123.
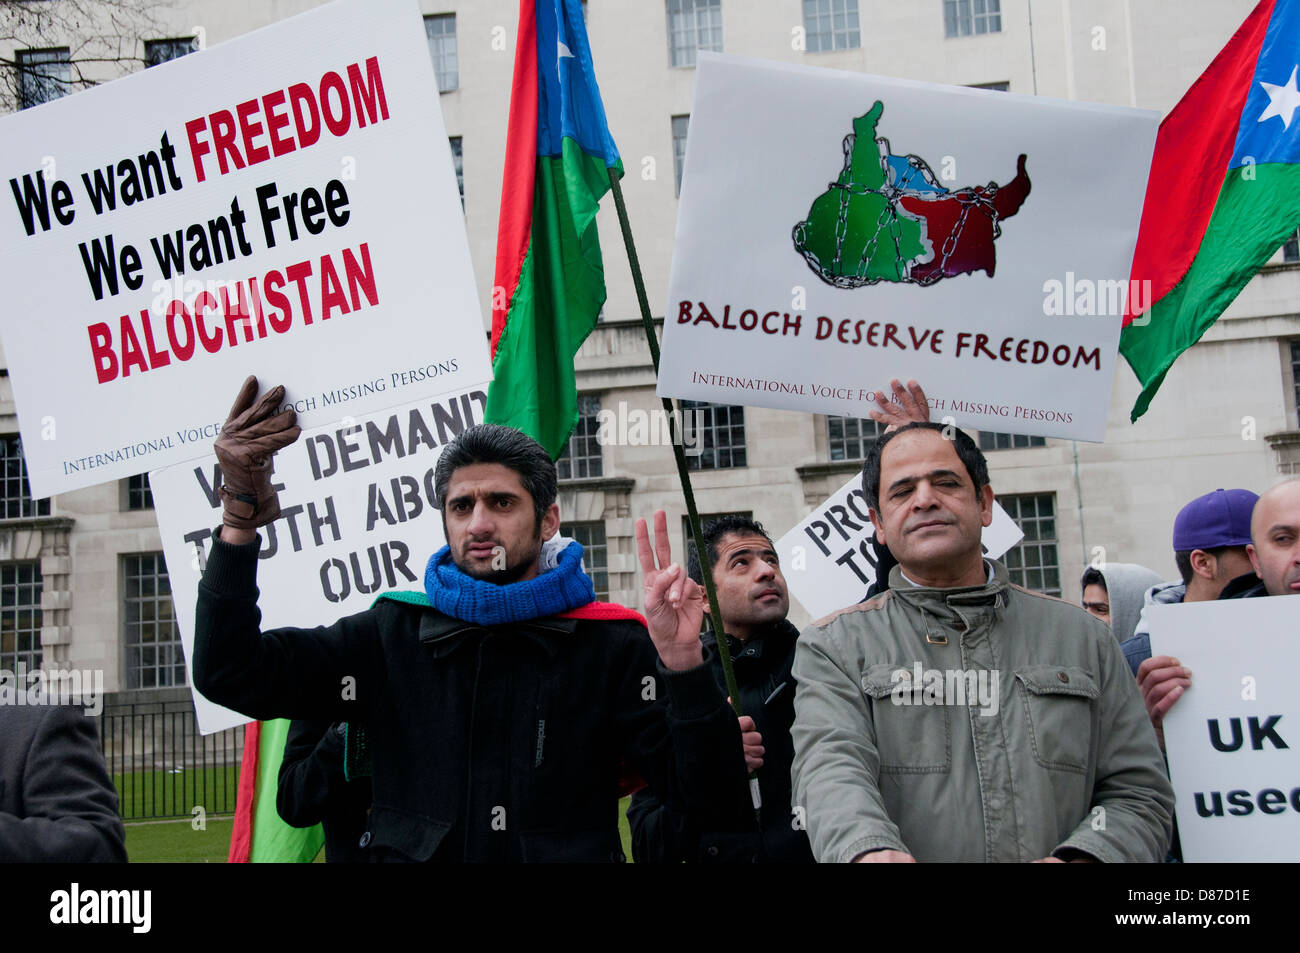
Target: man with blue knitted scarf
column 499, row 712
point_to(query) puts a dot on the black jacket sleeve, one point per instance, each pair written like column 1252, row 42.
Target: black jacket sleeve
column 62, row 807
column 330, row 673
column 689, row 751
column 310, row 772
column 659, row 835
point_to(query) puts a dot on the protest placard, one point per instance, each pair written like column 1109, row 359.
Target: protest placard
column 286, row 199
column 828, row 560
column 837, row 230
column 357, row 519
column 1232, row 738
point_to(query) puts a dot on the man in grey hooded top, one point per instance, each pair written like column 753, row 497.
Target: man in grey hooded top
column 1115, row 595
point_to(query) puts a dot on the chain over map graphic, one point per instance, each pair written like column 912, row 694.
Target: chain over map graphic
column 887, row 218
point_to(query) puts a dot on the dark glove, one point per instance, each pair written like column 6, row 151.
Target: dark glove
column 244, row 448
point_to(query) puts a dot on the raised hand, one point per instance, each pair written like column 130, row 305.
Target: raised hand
column 251, row 435
column 909, row 406
column 674, row 603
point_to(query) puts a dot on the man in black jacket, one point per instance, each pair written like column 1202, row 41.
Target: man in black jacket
column 753, row 600
column 499, row 707
column 314, row 788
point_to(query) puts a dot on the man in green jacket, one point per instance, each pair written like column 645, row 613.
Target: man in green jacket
column 958, row 717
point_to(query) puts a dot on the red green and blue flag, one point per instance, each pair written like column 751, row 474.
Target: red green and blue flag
column 1224, row 192
column 550, row 280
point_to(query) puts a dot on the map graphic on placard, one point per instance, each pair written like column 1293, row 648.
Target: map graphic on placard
column 887, row 218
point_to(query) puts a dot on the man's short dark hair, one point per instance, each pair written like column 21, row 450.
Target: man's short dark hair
column 1183, row 560
column 713, row 532
column 969, row 454
column 492, row 443
column 1093, row 577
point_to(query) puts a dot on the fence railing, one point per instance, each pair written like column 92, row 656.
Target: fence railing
column 162, row 767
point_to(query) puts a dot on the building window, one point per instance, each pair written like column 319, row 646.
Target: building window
column 713, row 435
column 831, row 25
column 458, row 161
column 1033, row 562
column 153, row 640
column 990, row 440
column 1295, row 376
column 43, row 75
column 160, row 51
column 17, row 502
column 1291, row 248
column 594, row 554
column 138, row 494
column 441, row 32
column 581, row 459
column 964, row 17
column 681, row 125
column 693, row 25
column 20, row 615
column 849, row 438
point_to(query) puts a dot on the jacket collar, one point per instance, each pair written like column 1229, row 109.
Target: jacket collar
column 779, row 635
column 444, row 633
column 993, row 593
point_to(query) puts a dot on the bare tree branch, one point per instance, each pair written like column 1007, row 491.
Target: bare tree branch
column 104, row 39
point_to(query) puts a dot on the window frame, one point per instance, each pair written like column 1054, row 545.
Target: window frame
column 825, row 11
column 133, row 647
column 441, row 68
column 683, row 56
column 29, row 72
column 1036, row 541
column 696, row 457
column 582, row 465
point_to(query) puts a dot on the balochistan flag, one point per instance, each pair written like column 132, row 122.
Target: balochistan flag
column 550, row 283
column 1224, row 192
column 259, row 834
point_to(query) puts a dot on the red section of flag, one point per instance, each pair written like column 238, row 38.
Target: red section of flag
column 606, row 611
column 516, row 222
column 241, row 839
column 1193, row 149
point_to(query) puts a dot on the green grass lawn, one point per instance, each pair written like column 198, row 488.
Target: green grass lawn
column 177, row 842
column 145, row 795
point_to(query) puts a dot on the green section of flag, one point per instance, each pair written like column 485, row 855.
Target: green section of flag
column 1257, row 210
column 553, row 309
column 274, row 841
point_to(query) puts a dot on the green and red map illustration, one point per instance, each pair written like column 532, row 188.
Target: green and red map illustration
column 887, row 218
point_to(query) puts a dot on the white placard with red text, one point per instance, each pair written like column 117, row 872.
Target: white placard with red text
column 301, row 175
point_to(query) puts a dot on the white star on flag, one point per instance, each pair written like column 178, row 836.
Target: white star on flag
column 564, row 51
column 1282, row 100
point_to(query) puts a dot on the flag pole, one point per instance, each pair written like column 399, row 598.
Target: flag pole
column 692, row 514
column 683, row 475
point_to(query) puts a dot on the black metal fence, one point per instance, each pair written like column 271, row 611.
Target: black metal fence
column 160, row 764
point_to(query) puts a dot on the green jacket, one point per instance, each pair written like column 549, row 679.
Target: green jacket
column 1026, row 737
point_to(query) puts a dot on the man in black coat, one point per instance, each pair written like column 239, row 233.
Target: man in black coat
column 57, row 804
column 499, row 706
column 754, row 603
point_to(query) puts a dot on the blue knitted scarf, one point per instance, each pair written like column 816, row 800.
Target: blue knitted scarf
column 460, row 596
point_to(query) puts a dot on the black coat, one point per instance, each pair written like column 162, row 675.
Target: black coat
column 56, row 800
column 498, row 743
column 313, row 789
column 661, row 834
